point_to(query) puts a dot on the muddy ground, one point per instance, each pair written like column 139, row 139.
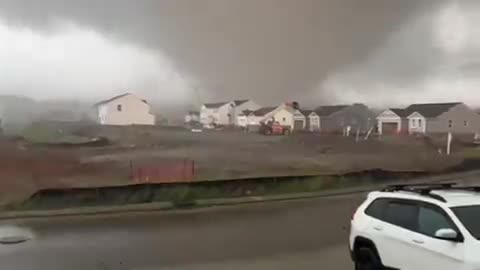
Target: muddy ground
column 27, row 165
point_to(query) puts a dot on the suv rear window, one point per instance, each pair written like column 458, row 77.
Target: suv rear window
column 377, row 209
column 401, row 213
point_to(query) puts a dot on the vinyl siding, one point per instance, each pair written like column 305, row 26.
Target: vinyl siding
column 134, row 111
column 458, row 115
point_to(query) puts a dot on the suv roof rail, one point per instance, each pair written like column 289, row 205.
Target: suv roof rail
column 423, row 189
column 422, row 186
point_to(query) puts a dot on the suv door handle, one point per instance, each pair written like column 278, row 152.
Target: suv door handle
column 420, row 242
column 378, row 228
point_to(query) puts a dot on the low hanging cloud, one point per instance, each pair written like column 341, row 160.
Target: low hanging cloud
column 70, row 61
column 268, row 50
column 433, row 58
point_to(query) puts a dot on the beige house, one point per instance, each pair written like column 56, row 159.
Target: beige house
column 282, row 114
column 124, row 110
column 456, row 118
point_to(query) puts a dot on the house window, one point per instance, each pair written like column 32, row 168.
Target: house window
column 420, row 123
column 284, row 119
column 465, row 123
column 119, row 107
column 450, row 123
column 413, row 123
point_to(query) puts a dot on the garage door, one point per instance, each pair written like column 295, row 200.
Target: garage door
column 298, row 124
column 389, row 128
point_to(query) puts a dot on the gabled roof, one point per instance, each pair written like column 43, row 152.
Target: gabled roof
column 306, row 113
column 240, row 102
column 329, row 110
column 246, row 112
column 431, row 110
column 263, row 111
column 400, row 112
column 215, row 105
column 112, row 99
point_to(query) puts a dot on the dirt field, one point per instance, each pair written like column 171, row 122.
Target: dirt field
column 27, row 166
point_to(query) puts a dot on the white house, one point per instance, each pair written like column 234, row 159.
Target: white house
column 392, row 121
column 192, row 116
column 123, row 110
column 242, row 109
column 313, row 120
column 299, row 120
column 221, row 113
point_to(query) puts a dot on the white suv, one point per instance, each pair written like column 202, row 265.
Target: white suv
column 418, row 227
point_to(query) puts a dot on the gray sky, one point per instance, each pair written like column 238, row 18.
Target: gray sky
column 383, row 52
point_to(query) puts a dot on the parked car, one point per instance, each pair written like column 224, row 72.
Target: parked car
column 418, row 227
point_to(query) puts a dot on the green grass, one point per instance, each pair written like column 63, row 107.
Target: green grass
column 470, row 153
column 44, row 134
column 186, row 195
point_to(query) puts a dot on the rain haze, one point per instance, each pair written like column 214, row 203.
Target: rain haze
column 188, row 51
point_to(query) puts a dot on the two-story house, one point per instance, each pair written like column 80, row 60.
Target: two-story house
column 221, row 113
column 242, row 109
column 123, row 110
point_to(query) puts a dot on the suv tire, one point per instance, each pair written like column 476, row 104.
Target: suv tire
column 367, row 259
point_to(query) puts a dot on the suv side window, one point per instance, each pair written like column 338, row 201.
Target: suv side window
column 402, row 213
column 377, row 209
column 431, row 219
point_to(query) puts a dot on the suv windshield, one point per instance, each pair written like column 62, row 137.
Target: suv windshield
column 470, row 217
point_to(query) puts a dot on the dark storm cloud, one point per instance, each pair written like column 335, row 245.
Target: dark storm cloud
column 270, row 50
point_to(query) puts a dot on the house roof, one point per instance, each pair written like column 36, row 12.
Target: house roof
column 114, row 98
column 214, row 105
column 431, row 110
column 264, row 110
column 329, row 110
column 400, row 112
column 240, row 102
column 246, row 112
column 306, row 112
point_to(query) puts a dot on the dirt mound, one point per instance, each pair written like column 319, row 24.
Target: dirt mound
column 24, row 169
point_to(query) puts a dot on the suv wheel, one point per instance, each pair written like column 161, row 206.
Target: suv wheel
column 366, row 259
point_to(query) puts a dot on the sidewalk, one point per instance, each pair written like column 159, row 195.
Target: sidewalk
column 159, row 206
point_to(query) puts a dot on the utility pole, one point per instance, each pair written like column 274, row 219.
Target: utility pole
column 449, row 143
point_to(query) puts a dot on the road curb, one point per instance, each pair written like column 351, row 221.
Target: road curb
column 163, row 206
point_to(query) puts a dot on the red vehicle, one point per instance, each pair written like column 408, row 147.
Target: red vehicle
column 274, row 128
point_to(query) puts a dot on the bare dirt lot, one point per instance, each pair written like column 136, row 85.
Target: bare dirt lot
column 26, row 166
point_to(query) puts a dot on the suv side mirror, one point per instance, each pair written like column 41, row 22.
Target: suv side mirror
column 447, row 234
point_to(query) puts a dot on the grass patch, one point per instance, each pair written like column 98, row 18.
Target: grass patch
column 470, row 153
column 186, row 195
column 37, row 133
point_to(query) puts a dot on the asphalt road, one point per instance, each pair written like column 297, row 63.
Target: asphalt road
column 305, row 234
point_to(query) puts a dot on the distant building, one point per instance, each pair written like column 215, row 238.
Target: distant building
column 283, row 115
column 226, row 113
column 221, row 113
column 192, row 117
column 456, row 118
column 124, row 110
column 241, row 108
column 337, row 118
column 393, row 121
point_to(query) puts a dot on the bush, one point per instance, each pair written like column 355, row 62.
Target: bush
column 183, row 196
